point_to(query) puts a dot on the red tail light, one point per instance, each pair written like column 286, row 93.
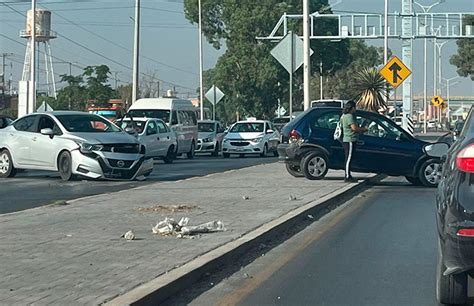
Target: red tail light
column 294, row 136
column 465, row 159
column 466, row 232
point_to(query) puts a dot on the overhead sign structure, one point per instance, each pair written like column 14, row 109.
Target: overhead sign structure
column 289, row 53
column 214, row 95
column 395, row 72
column 437, row 101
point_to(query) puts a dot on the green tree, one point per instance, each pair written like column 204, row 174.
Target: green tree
column 247, row 73
column 97, row 85
column 370, row 88
column 72, row 96
column 464, row 59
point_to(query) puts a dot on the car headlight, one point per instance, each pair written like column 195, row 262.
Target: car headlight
column 208, row 139
column 85, row 147
column 257, row 140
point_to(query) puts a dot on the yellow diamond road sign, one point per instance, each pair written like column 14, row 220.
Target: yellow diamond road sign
column 395, row 72
column 437, row 101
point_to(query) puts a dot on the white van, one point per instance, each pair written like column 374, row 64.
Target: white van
column 179, row 114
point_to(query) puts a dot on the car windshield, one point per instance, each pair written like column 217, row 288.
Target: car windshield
column 162, row 114
column 248, row 127
column 139, row 126
column 206, row 127
column 86, row 123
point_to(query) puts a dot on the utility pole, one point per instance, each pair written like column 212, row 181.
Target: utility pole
column 4, row 55
column 201, row 89
column 136, row 47
column 306, row 53
column 32, row 88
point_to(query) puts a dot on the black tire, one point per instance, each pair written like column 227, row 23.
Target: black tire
column 430, row 173
column 275, row 153
column 450, row 289
column 413, row 180
column 226, row 155
column 216, row 150
column 294, row 170
column 6, row 164
column 65, row 166
column 265, row 151
column 191, row 153
column 170, row 155
column 314, row 165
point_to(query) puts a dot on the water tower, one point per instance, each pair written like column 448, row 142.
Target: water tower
column 43, row 36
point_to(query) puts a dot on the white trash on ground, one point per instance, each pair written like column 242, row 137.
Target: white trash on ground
column 129, row 235
column 170, row 227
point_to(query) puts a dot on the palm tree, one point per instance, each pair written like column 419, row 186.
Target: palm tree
column 371, row 90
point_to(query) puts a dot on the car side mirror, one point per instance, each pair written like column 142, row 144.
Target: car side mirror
column 439, row 149
column 270, row 131
column 47, row 132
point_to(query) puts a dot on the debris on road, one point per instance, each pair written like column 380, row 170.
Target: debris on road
column 168, row 209
column 128, row 235
column 293, row 198
column 310, row 216
column 246, row 197
column 170, row 227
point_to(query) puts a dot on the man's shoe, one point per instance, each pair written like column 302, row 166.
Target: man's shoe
column 350, row 180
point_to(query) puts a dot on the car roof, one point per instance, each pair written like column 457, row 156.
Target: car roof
column 252, row 121
column 59, row 113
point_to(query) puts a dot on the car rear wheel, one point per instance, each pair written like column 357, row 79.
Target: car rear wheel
column 294, row 170
column 65, row 166
column 191, row 153
column 216, row 150
column 6, row 164
column 413, row 180
column 315, row 165
column 450, row 289
column 265, row 151
column 170, row 155
column 430, row 173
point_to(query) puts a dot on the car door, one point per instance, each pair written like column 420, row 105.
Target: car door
column 44, row 149
column 150, row 138
column 383, row 148
column 164, row 136
column 21, row 138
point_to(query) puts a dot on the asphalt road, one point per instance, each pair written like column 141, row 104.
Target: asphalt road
column 378, row 249
column 31, row 189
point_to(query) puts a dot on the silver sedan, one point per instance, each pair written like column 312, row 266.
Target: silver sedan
column 74, row 144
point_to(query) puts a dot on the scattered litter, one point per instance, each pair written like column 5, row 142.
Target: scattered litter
column 278, row 297
column 167, row 209
column 212, row 284
column 293, row 198
column 128, row 235
column 181, row 229
column 246, row 275
column 246, row 197
column 310, row 216
column 68, row 235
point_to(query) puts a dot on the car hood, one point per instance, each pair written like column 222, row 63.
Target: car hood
column 103, row 138
column 244, row 135
column 203, row 135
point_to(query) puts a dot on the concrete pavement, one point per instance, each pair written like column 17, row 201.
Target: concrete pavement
column 74, row 254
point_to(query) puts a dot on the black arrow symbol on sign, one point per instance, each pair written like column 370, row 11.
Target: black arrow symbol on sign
column 395, row 68
column 436, row 100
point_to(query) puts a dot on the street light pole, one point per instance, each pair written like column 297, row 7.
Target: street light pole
column 136, row 47
column 321, row 80
column 201, row 89
column 306, row 54
column 32, row 88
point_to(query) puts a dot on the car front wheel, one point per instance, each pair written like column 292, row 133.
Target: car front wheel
column 6, row 164
column 65, row 166
column 450, row 289
column 430, row 173
column 265, row 151
column 315, row 165
column 170, row 155
column 192, row 151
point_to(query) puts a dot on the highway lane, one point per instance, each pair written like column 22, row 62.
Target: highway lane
column 31, row 189
column 378, row 249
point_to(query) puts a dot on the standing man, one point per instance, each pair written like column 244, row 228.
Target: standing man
column 350, row 131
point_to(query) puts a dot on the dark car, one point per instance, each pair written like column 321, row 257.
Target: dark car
column 455, row 216
column 309, row 149
column 453, row 134
column 5, row 121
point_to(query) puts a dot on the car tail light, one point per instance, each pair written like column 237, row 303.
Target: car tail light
column 465, row 159
column 465, row 232
column 294, row 136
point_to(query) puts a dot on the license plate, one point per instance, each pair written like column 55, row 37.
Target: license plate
column 239, row 150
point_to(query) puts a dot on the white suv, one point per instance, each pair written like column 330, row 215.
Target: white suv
column 251, row 137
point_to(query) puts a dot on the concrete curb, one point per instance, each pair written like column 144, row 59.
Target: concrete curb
column 164, row 286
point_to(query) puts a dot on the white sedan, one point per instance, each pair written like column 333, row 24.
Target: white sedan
column 159, row 140
column 251, row 137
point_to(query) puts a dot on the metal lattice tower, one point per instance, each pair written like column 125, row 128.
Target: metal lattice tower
column 43, row 36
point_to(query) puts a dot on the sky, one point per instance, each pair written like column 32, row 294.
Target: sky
column 101, row 32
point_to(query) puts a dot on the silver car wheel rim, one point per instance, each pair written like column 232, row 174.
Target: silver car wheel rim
column 433, row 173
column 4, row 163
column 316, row 166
